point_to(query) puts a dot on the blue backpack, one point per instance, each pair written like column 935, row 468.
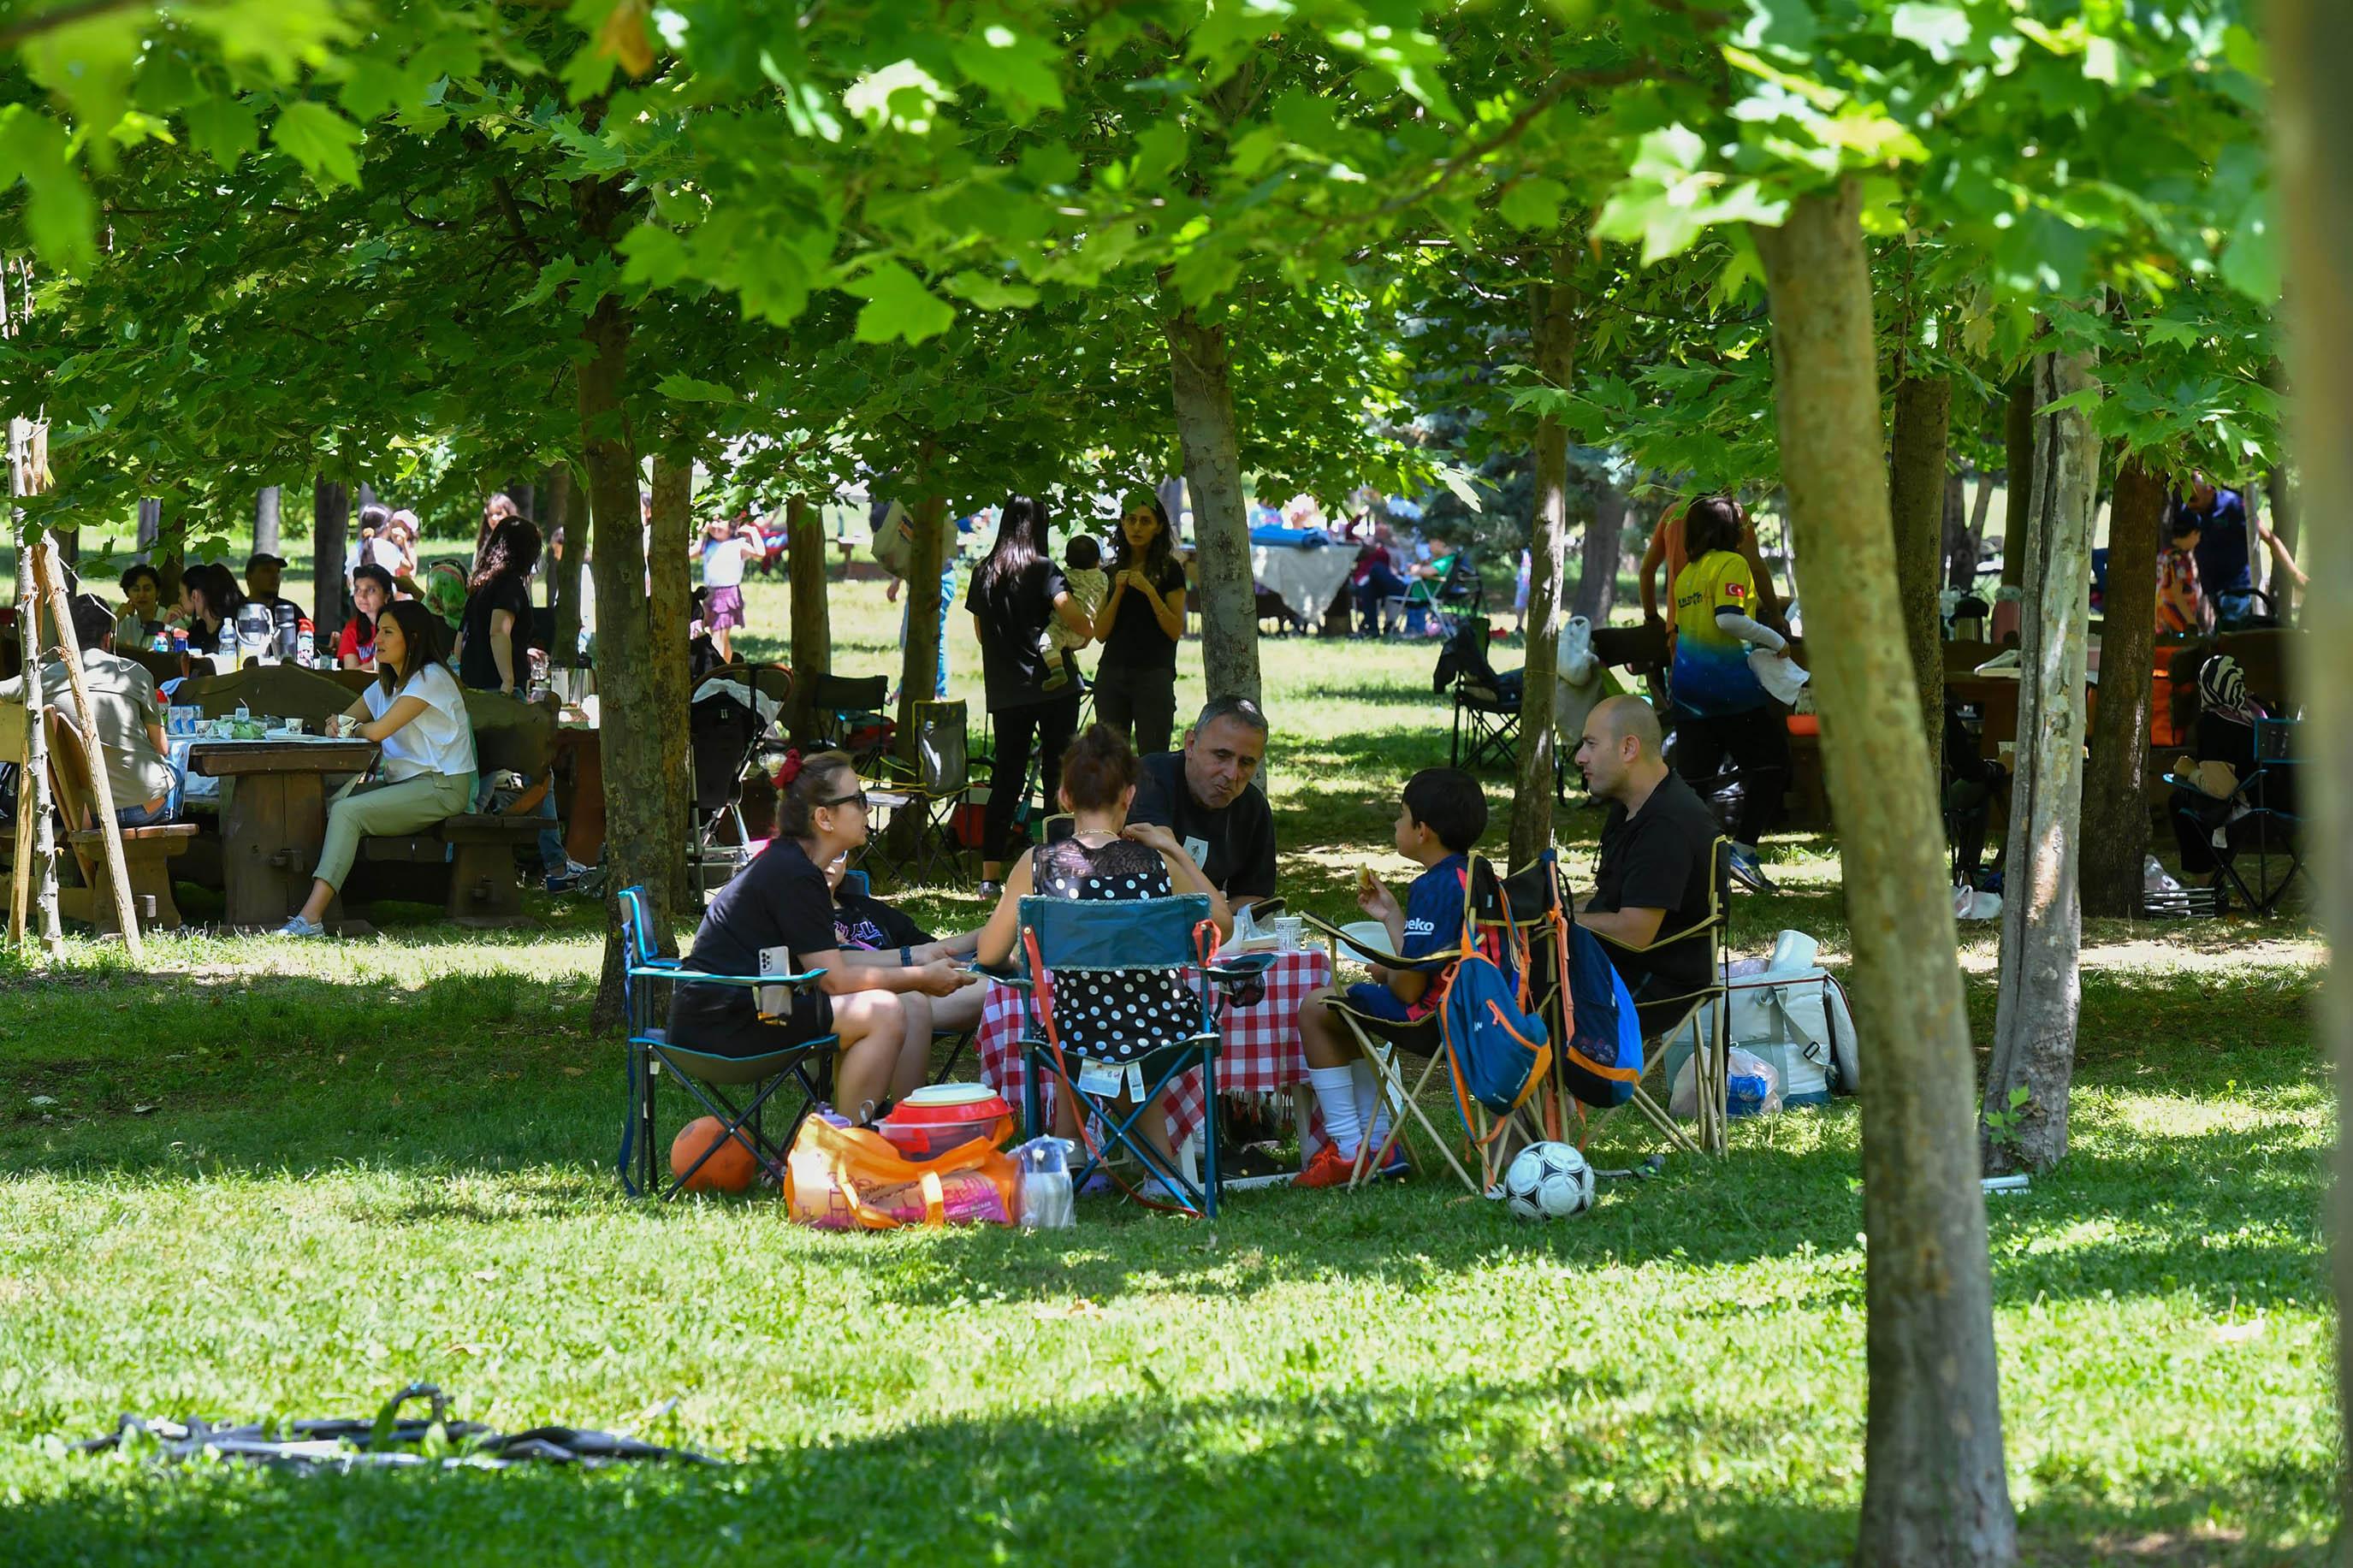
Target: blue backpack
column 1498, row 1050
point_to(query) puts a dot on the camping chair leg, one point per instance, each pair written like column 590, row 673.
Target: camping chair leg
column 1209, row 1134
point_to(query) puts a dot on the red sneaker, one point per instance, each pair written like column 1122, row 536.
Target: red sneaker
column 1329, row 1168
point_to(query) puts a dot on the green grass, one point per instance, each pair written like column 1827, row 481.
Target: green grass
column 284, row 1178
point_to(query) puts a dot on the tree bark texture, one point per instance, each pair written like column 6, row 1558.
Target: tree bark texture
column 669, row 620
column 1202, row 394
column 150, row 521
column 266, row 519
column 1924, row 408
column 636, row 851
column 919, row 662
column 170, row 553
column 1598, row 562
column 1555, row 324
column 2311, row 48
column 1934, row 1489
column 565, row 516
column 1959, row 564
column 2042, row 919
column 2017, row 440
column 812, row 615
column 2115, row 807
column 36, row 845
column 331, row 511
column 1978, row 508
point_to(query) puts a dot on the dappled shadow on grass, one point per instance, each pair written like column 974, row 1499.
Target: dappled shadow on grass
column 1474, row 1470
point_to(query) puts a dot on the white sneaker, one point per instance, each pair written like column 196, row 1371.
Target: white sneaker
column 298, row 926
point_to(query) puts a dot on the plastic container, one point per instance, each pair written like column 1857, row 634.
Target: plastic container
column 1042, row 1199
column 943, row 1116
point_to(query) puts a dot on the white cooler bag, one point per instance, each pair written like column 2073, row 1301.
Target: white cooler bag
column 1789, row 1011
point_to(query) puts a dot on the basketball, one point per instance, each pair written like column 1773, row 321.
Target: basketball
column 731, row 1166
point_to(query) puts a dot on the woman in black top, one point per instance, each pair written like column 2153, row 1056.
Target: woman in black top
column 1139, row 624
column 210, row 599
column 1015, row 590
column 496, row 628
column 1118, row 1015
column 880, row 1013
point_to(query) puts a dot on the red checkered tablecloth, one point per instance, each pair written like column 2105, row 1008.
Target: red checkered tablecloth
column 1260, row 1052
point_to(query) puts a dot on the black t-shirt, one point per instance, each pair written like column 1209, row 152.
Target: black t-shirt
column 1136, row 640
column 1013, row 614
column 1234, row 845
column 778, row 900
column 863, row 921
column 478, row 666
column 1659, row 858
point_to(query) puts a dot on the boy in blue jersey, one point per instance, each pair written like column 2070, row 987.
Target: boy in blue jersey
column 1439, row 820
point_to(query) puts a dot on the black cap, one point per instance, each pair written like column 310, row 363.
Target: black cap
column 263, row 558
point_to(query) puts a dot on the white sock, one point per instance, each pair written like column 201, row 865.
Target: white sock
column 1335, row 1090
column 1372, row 1111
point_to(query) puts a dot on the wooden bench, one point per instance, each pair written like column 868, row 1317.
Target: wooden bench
column 270, row 691
column 147, row 852
column 467, row 862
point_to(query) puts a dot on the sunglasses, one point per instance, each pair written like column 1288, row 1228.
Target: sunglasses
column 857, row 797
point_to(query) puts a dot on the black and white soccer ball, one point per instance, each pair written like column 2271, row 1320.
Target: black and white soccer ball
column 1548, row 1181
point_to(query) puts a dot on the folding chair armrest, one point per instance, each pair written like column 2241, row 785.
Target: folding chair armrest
column 748, row 982
column 1385, row 960
column 1240, row 967
column 1003, row 974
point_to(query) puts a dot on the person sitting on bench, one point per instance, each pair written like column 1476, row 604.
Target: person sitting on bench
column 1658, row 851
column 127, row 713
column 414, row 710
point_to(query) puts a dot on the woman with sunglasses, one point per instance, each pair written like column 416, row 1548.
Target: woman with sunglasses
column 879, row 1014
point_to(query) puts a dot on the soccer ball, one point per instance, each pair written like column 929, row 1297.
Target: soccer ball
column 1548, row 1181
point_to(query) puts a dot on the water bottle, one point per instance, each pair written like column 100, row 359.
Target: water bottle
column 257, row 635
column 1041, row 1185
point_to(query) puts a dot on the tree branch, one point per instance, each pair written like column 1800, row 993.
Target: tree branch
column 26, row 28
column 1553, row 91
column 514, row 214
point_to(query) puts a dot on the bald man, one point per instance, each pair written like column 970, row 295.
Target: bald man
column 1657, row 850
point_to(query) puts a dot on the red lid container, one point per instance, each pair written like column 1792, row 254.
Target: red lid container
column 943, row 1116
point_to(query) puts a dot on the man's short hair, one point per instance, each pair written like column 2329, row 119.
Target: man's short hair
column 1449, row 803
column 133, row 573
column 93, row 623
column 1242, row 709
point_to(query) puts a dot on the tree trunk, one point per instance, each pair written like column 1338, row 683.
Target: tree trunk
column 331, row 510
column 638, row 850
column 1554, row 323
column 2017, row 440
column 36, row 847
column 812, row 616
column 566, row 518
column 1960, row 565
column 919, row 661
column 170, row 553
column 1202, row 394
column 265, row 520
column 1934, row 1487
column 669, row 622
column 2310, row 44
column 1923, row 407
column 1978, row 511
column 2116, row 810
column 1604, row 552
column 150, row 521
column 2042, row 919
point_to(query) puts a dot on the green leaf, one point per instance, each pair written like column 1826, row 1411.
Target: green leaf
column 319, row 138
column 60, row 214
column 373, row 87
column 898, row 306
column 680, row 388
column 1016, row 69
column 2251, row 264
column 1533, row 203
column 1942, row 30
column 989, row 291
column 655, row 255
column 223, row 128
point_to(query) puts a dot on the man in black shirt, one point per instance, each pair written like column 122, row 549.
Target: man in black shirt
column 1204, row 795
column 1658, row 854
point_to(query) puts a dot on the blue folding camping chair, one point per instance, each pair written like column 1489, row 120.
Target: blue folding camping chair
column 1062, row 936
column 706, row 1075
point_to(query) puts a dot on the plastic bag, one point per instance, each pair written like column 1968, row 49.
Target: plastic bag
column 1753, row 1088
column 847, row 1178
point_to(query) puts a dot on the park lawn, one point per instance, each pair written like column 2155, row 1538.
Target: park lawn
column 289, row 1178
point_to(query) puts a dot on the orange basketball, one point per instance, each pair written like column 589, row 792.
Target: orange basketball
column 730, row 1168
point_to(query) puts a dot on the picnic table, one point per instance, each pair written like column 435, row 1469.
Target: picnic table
column 1260, row 1052
column 1307, row 576
column 274, row 822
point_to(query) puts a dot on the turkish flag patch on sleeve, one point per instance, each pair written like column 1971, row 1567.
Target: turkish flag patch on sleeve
column 1735, row 591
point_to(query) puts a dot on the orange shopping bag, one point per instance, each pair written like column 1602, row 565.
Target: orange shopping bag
column 847, row 1178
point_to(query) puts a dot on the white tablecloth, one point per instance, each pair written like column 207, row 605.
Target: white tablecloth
column 1305, row 575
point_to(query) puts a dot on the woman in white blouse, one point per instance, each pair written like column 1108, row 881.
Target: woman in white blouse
column 414, row 711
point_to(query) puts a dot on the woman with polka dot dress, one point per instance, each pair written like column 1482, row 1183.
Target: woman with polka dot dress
column 1114, row 1018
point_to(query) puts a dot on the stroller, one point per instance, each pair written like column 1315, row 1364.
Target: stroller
column 731, row 726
